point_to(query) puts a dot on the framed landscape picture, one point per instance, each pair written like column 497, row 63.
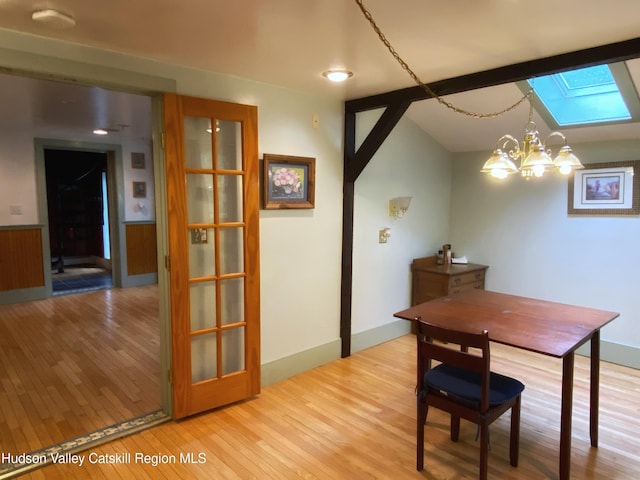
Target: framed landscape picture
column 605, row 189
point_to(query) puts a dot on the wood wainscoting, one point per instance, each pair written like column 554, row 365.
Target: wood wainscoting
column 21, row 262
column 141, row 248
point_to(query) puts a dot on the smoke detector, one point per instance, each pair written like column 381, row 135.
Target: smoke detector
column 53, row 18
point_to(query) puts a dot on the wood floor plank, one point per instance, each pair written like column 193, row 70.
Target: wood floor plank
column 355, row 419
column 73, row 364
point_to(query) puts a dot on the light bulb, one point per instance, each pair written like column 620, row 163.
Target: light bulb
column 499, row 173
column 337, row 75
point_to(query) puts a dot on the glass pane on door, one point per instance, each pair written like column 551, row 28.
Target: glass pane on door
column 232, row 301
column 197, row 142
column 200, row 192
column 233, row 350
column 202, row 252
column 230, row 196
column 231, row 250
column 229, row 145
column 204, row 363
column 202, row 302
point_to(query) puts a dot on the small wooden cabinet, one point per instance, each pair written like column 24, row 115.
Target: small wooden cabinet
column 430, row 281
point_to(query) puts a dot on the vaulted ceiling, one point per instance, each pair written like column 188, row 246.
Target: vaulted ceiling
column 291, row 42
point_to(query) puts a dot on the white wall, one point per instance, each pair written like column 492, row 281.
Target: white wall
column 409, row 163
column 18, row 201
column 533, row 248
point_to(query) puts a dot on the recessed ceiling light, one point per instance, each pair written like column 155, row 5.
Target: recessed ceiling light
column 53, row 18
column 337, row 75
column 101, row 131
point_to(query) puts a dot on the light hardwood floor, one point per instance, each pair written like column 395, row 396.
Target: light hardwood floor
column 355, row 419
column 72, row 364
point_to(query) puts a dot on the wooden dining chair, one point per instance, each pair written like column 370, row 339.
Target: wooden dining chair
column 463, row 385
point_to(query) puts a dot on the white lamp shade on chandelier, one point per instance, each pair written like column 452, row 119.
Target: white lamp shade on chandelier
column 534, row 157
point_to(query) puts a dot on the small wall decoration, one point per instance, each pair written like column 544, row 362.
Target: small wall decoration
column 289, row 182
column 140, row 189
column 137, row 160
column 605, row 189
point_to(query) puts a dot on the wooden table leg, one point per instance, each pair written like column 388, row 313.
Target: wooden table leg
column 595, row 387
column 565, row 419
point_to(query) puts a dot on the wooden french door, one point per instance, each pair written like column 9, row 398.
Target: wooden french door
column 213, row 208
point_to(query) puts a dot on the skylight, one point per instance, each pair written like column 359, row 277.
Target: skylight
column 586, row 96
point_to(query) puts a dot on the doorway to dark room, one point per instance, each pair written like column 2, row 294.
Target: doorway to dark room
column 78, row 212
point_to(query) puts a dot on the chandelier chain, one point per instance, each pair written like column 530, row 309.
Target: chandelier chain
column 423, row 85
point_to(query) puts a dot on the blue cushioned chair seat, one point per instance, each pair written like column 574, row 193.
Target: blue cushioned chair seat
column 467, row 385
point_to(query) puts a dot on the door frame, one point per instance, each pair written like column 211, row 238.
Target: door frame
column 116, row 204
column 116, row 221
column 101, row 75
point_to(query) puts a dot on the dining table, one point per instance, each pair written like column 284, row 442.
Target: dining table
column 540, row 326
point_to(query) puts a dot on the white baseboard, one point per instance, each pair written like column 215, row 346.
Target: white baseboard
column 295, row 364
column 139, row 280
column 378, row 335
column 284, row 368
column 300, row 362
column 22, row 295
column 615, row 353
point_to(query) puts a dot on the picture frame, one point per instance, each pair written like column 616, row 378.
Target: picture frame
column 140, row 189
column 605, row 189
column 137, row 160
column 288, row 181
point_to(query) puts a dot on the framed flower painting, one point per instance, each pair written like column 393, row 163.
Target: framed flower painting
column 289, row 182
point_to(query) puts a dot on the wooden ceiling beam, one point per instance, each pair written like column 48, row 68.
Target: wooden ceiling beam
column 611, row 53
column 383, row 127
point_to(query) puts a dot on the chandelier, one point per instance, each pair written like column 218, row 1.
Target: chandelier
column 532, row 154
column 534, row 157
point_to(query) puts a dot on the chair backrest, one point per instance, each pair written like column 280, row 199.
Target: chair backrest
column 452, row 348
